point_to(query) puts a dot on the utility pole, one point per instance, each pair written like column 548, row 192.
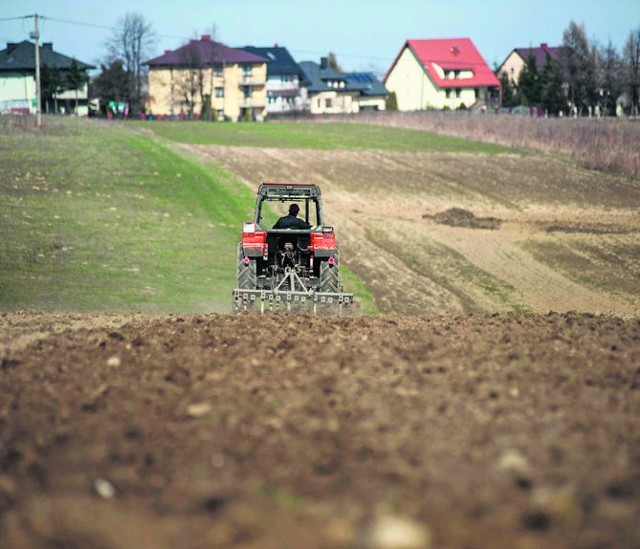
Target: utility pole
column 36, row 36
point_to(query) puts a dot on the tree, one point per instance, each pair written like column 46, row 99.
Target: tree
column 611, row 78
column 551, row 93
column 392, row 101
column 112, row 84
column 578, row 65
column 529, row 82
column 332, row 62
column 191, row 77
column 130, row 41
column 510, row 94
column 75, row 78
column 632, row 69
column 52, row 82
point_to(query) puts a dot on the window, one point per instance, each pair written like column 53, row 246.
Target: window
column 449, row 93
column 247, row 91
column 219, row 92
column 458, row 91
column 217, row 71
column 246, row 70
column 328, row 103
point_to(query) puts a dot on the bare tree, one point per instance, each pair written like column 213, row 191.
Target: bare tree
column 190, row 77
column 195, row 79
column 130, row 41
column 632, row 69
column 611, row 78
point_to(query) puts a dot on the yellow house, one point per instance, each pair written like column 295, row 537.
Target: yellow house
column 517, row 59
column 438, row 74
column 206, row 78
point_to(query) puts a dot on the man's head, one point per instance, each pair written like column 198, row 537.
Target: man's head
column 294, row 209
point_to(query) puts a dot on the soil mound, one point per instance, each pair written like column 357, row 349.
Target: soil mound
column 459, row 217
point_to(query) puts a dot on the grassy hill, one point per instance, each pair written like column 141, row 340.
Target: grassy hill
column 98, row 216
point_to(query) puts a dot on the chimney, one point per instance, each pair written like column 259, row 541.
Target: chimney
column 47, row 46
column 324, row 62
column 167, row 52
column 544, row 46
column 275, row 45
column 205, row 38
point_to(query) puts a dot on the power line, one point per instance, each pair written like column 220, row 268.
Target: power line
column 174, row 37
column 15, row 18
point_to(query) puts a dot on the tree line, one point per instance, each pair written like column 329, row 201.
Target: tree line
column 584, row 78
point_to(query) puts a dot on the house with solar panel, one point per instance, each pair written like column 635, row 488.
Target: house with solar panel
column 285, row 95
column 204, row 78
column 333, row 92
column 18, row 80
column 441, row 74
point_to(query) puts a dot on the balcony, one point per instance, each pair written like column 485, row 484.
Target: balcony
column 248, row 102
column 252, row 80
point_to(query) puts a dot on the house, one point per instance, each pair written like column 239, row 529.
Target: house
column 284, row 76
column 18, row 80
column 441, row 73
column 207, row 78
column 517, row 59
column 333, row 92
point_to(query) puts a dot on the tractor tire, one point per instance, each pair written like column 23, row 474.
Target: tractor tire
column 247, row 277
column 330, row 276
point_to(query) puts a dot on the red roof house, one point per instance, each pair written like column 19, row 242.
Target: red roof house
column 441, row 73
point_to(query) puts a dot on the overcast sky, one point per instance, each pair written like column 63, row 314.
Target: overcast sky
column 364, row 34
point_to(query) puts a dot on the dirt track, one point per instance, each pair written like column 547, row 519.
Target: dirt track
column 203, row 431
column 567, row 238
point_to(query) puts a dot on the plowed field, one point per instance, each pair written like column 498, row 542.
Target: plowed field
column 504, row 430
column 563, row 238
column 467, row 414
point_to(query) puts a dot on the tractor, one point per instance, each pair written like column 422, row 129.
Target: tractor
column 293, row 268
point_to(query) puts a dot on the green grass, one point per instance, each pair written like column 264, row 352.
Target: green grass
column 96, row 217
column 99, row 218
column 314, row 135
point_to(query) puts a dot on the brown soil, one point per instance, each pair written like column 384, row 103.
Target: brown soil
column 448, row 421
column 296, row 431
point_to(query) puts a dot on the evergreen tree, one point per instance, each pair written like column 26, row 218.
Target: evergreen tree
column 112, row 84
column 551, row 93
column 75, row 78
column 529, row 82
column 52, row 82
column 510, row 95
column 392, row 102
column 578, row 65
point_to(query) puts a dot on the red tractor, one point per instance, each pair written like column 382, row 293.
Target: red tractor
column 288, row 261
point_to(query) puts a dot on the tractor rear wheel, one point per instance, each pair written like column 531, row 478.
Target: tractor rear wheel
column 246, row 278
column 330, row 275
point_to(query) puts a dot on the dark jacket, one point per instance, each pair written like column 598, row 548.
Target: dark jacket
column 291, row 222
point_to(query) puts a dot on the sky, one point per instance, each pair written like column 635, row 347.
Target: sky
column 365, row 35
